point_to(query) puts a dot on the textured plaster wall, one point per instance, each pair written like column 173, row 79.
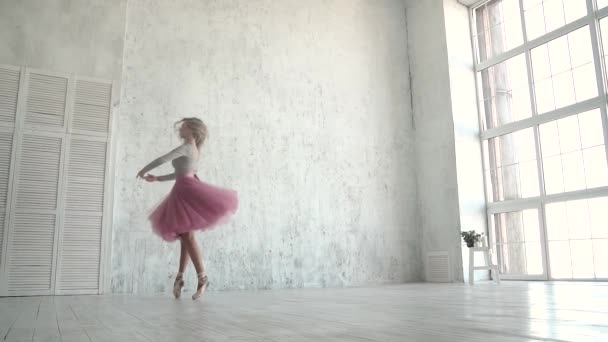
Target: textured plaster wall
column 83, row 37
column 308, row 108
column 438, row 198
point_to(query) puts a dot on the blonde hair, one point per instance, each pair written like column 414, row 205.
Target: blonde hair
column 198, row 128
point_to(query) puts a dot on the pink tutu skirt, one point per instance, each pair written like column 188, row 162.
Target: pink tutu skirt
column 192, row 205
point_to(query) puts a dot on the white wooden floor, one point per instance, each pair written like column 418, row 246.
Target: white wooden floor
column 512, row 311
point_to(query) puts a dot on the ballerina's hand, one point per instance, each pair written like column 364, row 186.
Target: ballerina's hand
column 151, row 178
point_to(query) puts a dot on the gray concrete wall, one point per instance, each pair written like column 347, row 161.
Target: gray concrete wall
column 438, row 200
column 308, row 109
column 311, row 121
column 83, row 37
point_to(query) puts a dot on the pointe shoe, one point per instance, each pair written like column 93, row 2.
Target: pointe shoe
column 178, row 285
column 203, row 282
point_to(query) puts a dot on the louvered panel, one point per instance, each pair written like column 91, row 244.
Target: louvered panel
column 87, row 158
column 39, row 167
column 2, row 222
column 80, row 253
column 85, row 176
column 92, row 106
column 6, row 146
column 46, row 100
column 9, row 88
column 84, row 196
column 30, row 261
column 96, row 93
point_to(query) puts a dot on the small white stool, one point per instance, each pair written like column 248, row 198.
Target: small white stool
column 486, row 255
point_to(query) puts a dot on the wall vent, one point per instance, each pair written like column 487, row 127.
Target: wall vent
column 438, row 267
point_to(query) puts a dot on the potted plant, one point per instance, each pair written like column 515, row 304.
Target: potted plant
column 471, row 237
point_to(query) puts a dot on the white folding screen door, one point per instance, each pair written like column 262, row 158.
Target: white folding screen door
column 54, row 152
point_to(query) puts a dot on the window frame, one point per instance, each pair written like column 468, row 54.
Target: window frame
column 592, row 20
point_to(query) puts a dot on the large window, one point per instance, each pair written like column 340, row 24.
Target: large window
column 541, row 82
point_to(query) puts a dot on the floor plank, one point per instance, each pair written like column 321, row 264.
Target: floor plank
column 512, row 311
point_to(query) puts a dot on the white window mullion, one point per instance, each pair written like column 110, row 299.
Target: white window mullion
column 541, row 208
column 599, row 69
column 553, row 115
column 524, row 203
column 591, row 6
column 576, row 195
column 500, row 58
column 513, row 205
column 601, row 13
column 538, row 150
column 532, row 102
column 528, row 45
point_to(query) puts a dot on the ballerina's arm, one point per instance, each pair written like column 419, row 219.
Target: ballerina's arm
column 165, row 178
column 176, row 153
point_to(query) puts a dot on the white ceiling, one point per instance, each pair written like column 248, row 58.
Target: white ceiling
column 468, row 2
